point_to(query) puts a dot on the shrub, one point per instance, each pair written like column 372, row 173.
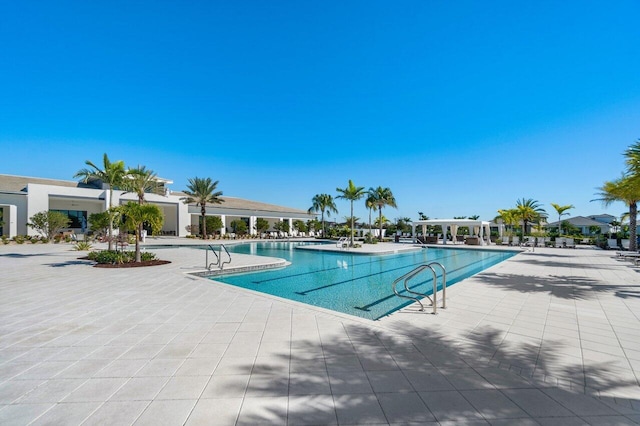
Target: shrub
column 108, row 256
column 5, row 240
column 146, row 256
column 19, row 239
column 49, row 223
column 117, row 257
column 370, row 239
column 82, row 246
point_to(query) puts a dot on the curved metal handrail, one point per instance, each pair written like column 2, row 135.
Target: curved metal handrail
column 207, row 264
column 228, row 254
column 406, row 277
column 444, row 284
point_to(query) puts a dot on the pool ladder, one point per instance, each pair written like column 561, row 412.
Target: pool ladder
column 219, row 262
column 343, row 242
column 406, row 277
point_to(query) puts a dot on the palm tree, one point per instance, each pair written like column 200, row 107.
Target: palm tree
column 351, row 193
column 136, row 214
column 370, row 203
column 632, row 155
column 627, row 190
column 141, row 181
column 561, row 212
column 508, row 217
column 111, row 174
column 529, row 210
column 382, row 197
column 323, row 203
column 202, row 191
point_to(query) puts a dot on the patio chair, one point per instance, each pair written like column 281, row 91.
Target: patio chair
column 515, row 241
column 505, row 241
column 612, row 243
column 559, row 242
column 569, row 243
column 542, row 242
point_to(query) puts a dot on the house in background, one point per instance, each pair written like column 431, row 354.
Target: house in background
column 604, row 218
column 584, row 224
column 22, row 197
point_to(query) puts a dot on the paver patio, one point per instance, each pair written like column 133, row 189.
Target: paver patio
column 547, row 337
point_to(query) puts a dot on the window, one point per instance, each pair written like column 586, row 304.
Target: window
column 76, row 217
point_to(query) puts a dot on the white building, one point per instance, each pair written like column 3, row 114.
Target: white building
column 22, row 197
column 584, row 224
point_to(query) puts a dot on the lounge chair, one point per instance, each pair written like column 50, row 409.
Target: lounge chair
column 505, row 241
column 612, row 243
column 559, row 243
column 569, row 243
column 515, row 241
column 542, row 242
column 624, row 244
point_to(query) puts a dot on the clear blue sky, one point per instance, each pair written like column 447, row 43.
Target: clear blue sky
column 461, row 108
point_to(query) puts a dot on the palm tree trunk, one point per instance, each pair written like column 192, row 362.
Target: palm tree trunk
column 138, row 258
column 323, row 231
column 351, row 223
column 110, row 239
column 370, row 225
column 559, row 224
column 380, row 220
column 203, row 212
column 633, row 223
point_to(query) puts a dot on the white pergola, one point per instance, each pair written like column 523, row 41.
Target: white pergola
column 479, row 228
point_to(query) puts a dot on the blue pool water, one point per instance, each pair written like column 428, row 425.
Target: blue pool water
column 354, row 284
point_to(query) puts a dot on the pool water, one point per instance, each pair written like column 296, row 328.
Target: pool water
column 355, row 284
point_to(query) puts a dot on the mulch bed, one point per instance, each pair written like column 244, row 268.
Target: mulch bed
column 129, row 264
column 132, row 264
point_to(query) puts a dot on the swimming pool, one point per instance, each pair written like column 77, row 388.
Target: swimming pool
column 354, row 284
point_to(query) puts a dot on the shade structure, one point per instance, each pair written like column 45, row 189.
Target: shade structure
column 476, row 227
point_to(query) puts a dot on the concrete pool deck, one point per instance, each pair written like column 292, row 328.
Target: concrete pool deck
column 547, row 337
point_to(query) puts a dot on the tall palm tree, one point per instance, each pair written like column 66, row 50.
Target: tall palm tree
column 351, row 193
column 382, row 197
column 371, row 205
column 323, row 203
column 627, row 190
column 141, row 181
column 111, row 174
column 561, row 212
column 529, row 210
column 202, row 191
column 632, row 158
column 632, row 155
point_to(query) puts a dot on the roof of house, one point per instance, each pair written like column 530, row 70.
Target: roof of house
column 10, row 183
column 19, row 183
column 579, row 221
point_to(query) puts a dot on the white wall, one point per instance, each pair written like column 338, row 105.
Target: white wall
column 20, row 201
